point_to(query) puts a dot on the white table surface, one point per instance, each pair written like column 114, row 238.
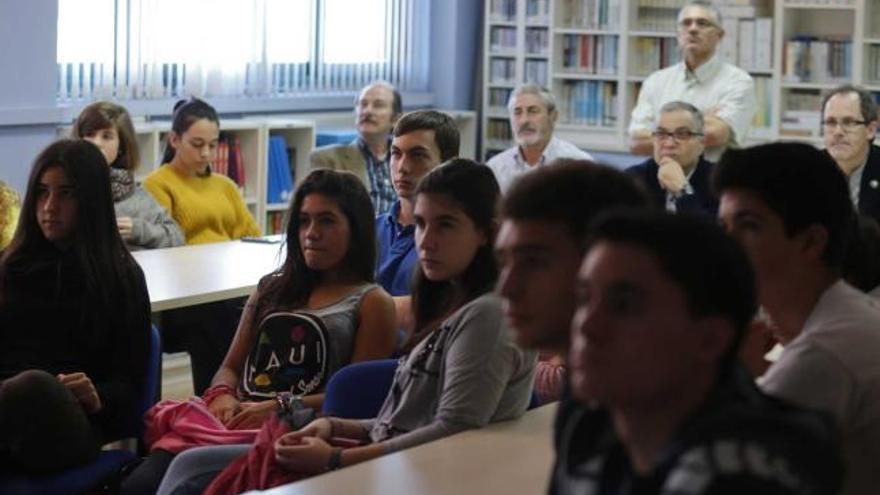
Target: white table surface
column 513, row 457
column 202, row 273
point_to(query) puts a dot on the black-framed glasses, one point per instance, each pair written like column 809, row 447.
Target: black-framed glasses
column 846, row 125
column 679, row 135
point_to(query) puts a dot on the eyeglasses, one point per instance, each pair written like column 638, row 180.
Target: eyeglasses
column 699, row 22
column 679, row 135
column 846, row 125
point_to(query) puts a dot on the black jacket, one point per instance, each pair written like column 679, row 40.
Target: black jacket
column 701, row 202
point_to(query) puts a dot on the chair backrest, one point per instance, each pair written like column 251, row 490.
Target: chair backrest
column 358, row 390
column 152, row 382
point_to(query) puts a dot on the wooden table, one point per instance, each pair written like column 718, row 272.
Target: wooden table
column 509, row 457
column 202, row 273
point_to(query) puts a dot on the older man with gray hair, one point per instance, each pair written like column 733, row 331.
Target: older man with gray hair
column 677, row 177
column 725, row 94
column 533, row 117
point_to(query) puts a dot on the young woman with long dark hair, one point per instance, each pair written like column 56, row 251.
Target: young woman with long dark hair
column 74, row 318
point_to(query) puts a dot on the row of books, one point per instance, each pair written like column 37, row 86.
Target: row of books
column 800, row 115
column 229, row 160
column 811, row 59
column 502, row 39
column 498, row 97
column 502, row 70
column 502, row 10
column 275, row 222
column 536, row 72
column 763, row 103
column 821, row 2
column 498, row 130
column 872, row 64
column 591, row 54
column 281, row 170
column 657, row 19
column 537, row 41
column 660, row 4
column 650, row 54
column 538, row 11
column 747, row 42
column 591, row 14
column 592, row 103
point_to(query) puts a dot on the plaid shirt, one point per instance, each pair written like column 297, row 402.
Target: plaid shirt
column 379, row 174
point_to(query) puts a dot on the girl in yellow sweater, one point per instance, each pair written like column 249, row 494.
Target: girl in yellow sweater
column 207, row 206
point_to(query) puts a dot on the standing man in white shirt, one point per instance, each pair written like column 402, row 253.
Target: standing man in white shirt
column 533, row 117
column 724, row 93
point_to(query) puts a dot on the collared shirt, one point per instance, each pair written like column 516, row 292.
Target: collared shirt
column 713, row 85
column 672, row 198
column 379, row 174
column 396, row 255
column 510, row 163
column 855, row 182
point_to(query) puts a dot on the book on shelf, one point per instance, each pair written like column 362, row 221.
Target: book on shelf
column 537, row 41
column 498, row 130
column 800, row 114
column 651, row 54
column 502, row 11
column 591, row 14
column 763, row 103
column 498, row 98
column 229, row 160
column 502, row 39
column 592, row 103
column 817, row 60
column 538, row 11
column 872, row 64
column 280, row 183
column 657, row 15
column 590, row 54
column 502, row 70
column 536, row 71
column 275, row 222
column 820, row 2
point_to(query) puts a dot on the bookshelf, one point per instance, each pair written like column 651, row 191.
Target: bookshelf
column 253, row 138
column 600, row 51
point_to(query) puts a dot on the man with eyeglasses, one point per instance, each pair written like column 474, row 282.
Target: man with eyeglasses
column 849, row 124
column 533, row 117
column 677, row 177
column 724, row 93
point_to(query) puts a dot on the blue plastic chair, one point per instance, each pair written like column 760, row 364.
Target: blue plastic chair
column 358, row 390
column 77, row 480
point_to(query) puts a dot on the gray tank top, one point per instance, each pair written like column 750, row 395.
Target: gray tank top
column 297, row 351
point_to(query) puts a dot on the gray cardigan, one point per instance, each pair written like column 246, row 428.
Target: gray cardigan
column 471, row 373
column 152, row 227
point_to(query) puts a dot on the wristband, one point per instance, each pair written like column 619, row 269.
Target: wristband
column 283, row 399
column 215, row 391
column 335, row 461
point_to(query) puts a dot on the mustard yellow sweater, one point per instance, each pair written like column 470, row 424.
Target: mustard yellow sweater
column 208, row 209
column 9, row 210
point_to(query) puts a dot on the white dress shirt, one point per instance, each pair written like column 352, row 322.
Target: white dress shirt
column 715, row 84
column 510, row 163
